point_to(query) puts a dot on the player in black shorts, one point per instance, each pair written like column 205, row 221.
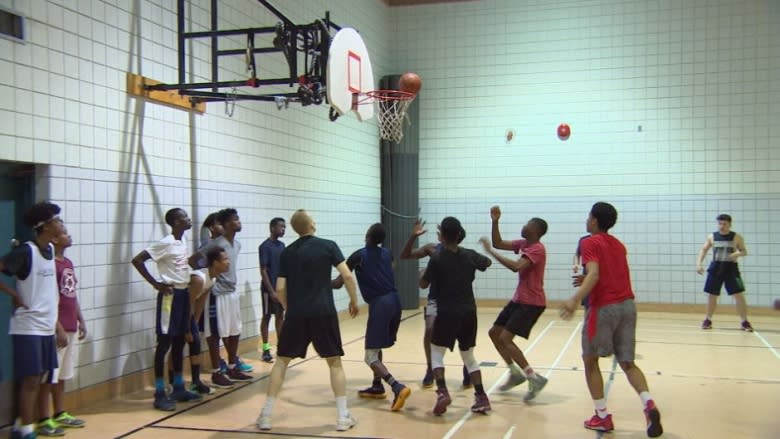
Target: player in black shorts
column 304, row 289
column 269, row 252
column 451, row 272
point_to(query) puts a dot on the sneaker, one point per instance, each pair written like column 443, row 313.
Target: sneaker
column 427, row 381
column 466, row 379
column 746, row 326
column 219, row 380
column 163, row 402
column 598, row 424
column 344, row 424
column 66, row 420
column 706, row 324
column 535, row 385
column 400, row 398
column 442, row 401
column 653, row 418
column 511, row 381
column 263, row 422
column 244, row 367
column 236, row 375
column 201, row 388
column 182, row 395
column 481, row 404
column 32, row 435
column 373, row 392
column 267, row 357
column 50, row 428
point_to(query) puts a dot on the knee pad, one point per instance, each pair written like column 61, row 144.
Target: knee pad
column 469, row 361
column 437, row 355
column 372, row 356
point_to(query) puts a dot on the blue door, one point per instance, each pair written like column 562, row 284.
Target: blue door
column 7, row 227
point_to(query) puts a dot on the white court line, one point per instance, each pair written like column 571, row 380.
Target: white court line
column 766, row 343
column 468, row 414
column 563, row 351
column 509, row 432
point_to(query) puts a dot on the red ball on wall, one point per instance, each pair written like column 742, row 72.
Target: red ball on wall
column 564, row 131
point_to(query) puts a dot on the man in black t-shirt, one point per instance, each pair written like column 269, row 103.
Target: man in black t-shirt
column 304, row 290
column 451, row 272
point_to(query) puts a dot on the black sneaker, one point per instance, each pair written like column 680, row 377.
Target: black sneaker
column 236, row 375
column 427, row 381
column 218, row 379
column 267, row 357
column 373, row 392
column 183, row 395
column 400, row 398
column 163, row 402
column 201, row 388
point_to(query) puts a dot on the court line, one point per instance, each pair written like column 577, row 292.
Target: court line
column 454, row 429
column 771, row 348
column 509, row 432
column 239, row 387
column 268, row 433
column 563, row 350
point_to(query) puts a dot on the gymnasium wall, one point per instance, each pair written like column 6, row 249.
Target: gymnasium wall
column 673, row 108
column 116, row 164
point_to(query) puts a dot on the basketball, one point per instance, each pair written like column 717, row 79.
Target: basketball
column 410, row 83
column 564, row 131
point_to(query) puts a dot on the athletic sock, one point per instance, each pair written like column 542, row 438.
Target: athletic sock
column 388, row 379
column 159, row 384
column 514, row 369
column 479, row 389
column 178, row 381
column 26, row 429
column 645, row 396
column 195, row 373
column 341, row 406
column 529, row 372
column 601, row 407
column 269, row 406
column 266, row 346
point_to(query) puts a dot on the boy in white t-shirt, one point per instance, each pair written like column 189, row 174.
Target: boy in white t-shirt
column 173, row 306
column 33, row 324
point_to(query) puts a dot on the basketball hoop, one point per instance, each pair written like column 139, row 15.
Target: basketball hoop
column 390, row 106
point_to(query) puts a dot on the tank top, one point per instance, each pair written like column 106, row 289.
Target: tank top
column 39, row 294
column 722, row 247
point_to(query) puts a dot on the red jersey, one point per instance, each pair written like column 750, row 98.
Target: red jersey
column 530, row 283
column 614, row 284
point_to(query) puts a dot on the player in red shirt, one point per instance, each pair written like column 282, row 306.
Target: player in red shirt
column 610, row 320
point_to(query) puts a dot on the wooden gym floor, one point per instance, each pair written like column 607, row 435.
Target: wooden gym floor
column 723, row 383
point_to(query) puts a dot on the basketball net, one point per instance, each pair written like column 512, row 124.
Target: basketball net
column 390, row 106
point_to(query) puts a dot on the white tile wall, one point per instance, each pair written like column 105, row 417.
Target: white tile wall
column 699, row 77
column 116, row 164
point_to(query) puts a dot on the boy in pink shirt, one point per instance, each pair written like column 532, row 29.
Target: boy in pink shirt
column 528, row 303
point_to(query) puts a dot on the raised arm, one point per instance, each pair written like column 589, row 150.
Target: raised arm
column 408, row 252
column 495, row 215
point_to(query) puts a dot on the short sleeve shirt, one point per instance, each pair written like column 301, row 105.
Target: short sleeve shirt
column 452, row 274
column 307, row 265
column 171, row 256
column 530, row 282
column 269, row 253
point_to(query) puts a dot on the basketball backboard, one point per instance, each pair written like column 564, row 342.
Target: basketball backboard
column 349, row 72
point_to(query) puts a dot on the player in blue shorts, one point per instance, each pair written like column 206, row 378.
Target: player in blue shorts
column 373, row 267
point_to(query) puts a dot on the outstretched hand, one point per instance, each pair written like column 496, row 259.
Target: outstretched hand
column 419, row 227
column 485, row 243
column 567, row 311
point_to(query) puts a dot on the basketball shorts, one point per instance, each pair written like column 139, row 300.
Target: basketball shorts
column 430, row 308
column 34, row 355
column 224, row 319
column 455, row 325
column 66, row 360
column 519, row 318
column 321, row 331
column 173, row 313
column 270, row 308
column 615, row 332
column 732, row 281
column 384, row 318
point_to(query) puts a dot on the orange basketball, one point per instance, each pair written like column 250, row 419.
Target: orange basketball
column 410, row 83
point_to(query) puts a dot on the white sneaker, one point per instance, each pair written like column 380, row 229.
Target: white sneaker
column 344, row 424
column 535, row 385
column 511, row 381
column 263, row 422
